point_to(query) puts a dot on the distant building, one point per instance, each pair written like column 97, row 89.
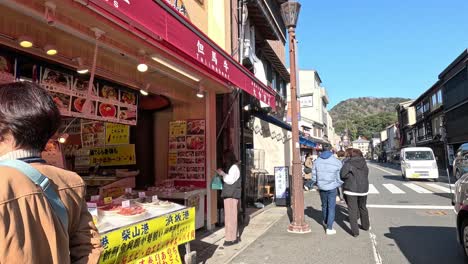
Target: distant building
column 362, row 144
column 406, row 120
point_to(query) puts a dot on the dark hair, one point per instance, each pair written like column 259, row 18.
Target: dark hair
column 340, row 153
column 307, row 155
column 229, row 159
column 326, row 147
column 349, row 152
column 29, row 113
column 356, row 153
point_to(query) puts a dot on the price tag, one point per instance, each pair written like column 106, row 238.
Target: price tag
column 126, row 204
column 91, row 205
column 128, row 190
column 155, row 198
column 107, row 200
column 95, row 198
column 141, row 194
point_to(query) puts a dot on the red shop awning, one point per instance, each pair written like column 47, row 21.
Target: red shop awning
column 161, row 22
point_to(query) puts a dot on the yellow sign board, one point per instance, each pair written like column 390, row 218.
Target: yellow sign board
column 117, row 134
column 117, row 155
column 177, row 128
column 149, row 241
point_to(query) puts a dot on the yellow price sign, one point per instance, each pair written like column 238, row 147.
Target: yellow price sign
column 117, row 134
column 113, row 155
column 107, row 200
column 150, row 239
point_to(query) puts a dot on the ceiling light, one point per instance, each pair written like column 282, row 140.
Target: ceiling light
column 51, row 50
column 25, row 41
column 81, row 69
column 63, row 138
column 165, row 62
column 144, row 91
column 142, row 67
column 200, row 92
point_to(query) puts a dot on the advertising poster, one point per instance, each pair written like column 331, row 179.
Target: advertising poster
column 281, row 185
column 53, row 155
column 93, row 134
column 107, row 102
column 117, row 134
column 118, row 155
column 187, row 150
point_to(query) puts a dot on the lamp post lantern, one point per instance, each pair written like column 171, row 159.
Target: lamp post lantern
column 290, row 13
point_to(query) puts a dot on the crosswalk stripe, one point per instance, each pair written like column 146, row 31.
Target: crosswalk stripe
column 372, row 189
column 416, row 188
column 438, row 187
column 392, row 188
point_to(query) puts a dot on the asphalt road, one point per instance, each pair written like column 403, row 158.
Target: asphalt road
column 412, row 222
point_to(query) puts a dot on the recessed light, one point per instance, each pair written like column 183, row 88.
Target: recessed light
column 25, row 41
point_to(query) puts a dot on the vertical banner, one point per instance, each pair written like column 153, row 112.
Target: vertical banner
column 281, row 185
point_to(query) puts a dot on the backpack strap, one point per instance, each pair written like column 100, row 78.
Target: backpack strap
column 42, row 181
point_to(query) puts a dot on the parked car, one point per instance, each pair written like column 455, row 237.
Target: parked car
column 460, row 203
column 418, row 163
column 460, row 164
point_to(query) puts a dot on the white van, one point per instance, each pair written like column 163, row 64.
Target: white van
column 419, row 163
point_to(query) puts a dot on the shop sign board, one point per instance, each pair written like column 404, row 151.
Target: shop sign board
column 151, row 241
column 117, row 155
column 109, row 102
column 177, row 33
column 187, row 153
column 281, row 185
column 117, row 134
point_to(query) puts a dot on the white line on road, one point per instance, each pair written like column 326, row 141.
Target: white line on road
column 424, row 207
column 372, row 189
column 416, row 188
column 386, row 171
column 441, row 188
column 377, row 257
column 392, row 188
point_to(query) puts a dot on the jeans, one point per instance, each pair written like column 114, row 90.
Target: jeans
column 357, row 208
column 328, row 207
column 308, row 183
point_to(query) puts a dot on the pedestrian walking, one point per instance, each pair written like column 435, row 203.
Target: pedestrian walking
column 231, row 194
column 326, row 173
column 308, row 163
column 341, row 156
column 44, row 214
column 355, row 175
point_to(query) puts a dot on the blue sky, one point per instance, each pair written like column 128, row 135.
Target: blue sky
column 380, row 48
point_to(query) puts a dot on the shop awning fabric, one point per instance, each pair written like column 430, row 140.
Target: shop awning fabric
column 162, row 23
column 275, row 121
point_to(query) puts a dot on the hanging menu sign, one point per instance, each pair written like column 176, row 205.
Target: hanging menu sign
column 109, row 102
column 117, row 134
column 187, row 150
column 113, row 155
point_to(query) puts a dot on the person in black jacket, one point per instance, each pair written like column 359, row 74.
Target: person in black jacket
column 355, row 175
column 231, row 194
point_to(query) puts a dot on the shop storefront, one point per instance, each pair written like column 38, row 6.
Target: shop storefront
column 136, row 84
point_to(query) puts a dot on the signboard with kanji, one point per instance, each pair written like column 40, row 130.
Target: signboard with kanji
column 117, row 155
column 117, row 134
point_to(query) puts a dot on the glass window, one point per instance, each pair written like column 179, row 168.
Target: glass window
column 419, row 155
column 439, row 97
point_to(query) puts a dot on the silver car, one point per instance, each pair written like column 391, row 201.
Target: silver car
column 460, row 164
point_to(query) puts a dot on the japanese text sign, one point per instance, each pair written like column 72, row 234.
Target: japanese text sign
column 113, row 155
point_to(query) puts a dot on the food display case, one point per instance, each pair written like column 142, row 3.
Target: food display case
column 142, row 230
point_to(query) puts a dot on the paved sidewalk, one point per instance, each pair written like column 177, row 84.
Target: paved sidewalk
column 266, row 240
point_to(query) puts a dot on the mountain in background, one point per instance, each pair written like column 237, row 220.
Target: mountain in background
column 365, row 116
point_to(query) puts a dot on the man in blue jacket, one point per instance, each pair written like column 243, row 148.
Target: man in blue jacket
column 326, row 173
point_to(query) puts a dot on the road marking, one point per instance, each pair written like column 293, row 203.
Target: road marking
column 441, row 188
column 372, row 189
column 425, row 207
column 416, row 188
column 386, row 171
column 392, row 188
column 377, row 257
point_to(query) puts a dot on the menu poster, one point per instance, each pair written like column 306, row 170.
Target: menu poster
column 187, row 157
column 108, row 102
column 117, row 134
column 93, row 134
column 7, row 72
column 118, row 155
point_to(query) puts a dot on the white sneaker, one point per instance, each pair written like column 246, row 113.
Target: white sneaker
column 331, row 231
column 306, row 188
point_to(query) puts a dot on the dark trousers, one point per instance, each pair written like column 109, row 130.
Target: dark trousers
column 357, row 208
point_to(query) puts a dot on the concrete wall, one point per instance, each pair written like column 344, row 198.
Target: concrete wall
column 277, row 152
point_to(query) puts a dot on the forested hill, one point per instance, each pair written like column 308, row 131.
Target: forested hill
column 365, row 115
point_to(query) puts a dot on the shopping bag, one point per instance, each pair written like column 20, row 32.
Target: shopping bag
column 216, row 183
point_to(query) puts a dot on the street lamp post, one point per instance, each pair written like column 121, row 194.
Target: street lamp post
column 290, row 12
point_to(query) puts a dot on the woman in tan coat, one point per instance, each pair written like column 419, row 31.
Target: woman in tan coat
column 35, row 228
column 308, row 172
